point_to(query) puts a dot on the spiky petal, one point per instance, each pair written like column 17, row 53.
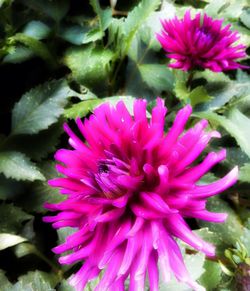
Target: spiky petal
column 129, row 189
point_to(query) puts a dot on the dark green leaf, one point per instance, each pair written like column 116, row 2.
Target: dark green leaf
column 229, row 231
column 158, row 77
column 40, row 107
column 37, row 146
column 41, row 191
column 55, row 9
column 12, row 219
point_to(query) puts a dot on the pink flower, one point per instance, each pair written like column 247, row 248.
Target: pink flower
column 201, row 43
column 128, row 191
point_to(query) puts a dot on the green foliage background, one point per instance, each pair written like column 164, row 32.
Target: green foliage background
column 59, row 59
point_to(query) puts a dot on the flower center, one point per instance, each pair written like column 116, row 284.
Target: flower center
column 108, row 177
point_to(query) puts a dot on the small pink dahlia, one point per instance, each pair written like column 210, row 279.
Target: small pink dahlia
column 201, row 43
column 129, row 189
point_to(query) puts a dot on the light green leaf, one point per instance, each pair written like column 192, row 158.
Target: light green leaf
column 12, row 219
column 5, row 285
column 24, row 249
column 210, row 279
column 73, row 34
column 104, row 16
column 34, row 281
column 19, row 55
column 231, row 229
column 152, row 25
column 245, row 17
column 237, row 125
column 136, row 18
column 9, row 240
column 81, row 109
column 156, row 76
column 40, row 107
column 194, row 264
column 199, row 95
column 18, row 166
column 36, row 29
column 245, row 238
column 89, row 65
column 245, row 173
column 92, row 35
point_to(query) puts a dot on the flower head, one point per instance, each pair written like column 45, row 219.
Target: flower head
column 201, row 43
column 129, row 189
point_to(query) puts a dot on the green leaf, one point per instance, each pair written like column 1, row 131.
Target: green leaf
column 223, row 92
column 152, row 25
column 19, row 55
column 9, row 188
column 41, row 191
column 231, row 229
column 245, row 173
column 74, row 34
column 37, row 146
column 156, row 76
column 245, row 18
column 55, row 9
column 5, row 285
column 18, row 166
column 40, row 107
column 34, row 281
column 104, row 16
column 194, row 264
column 199, row 95
column 81, row 109
column 36, row 29
column 12, row 219
column 211, row 278
column 64, row 286
column 136, row 19
column 36, row 46
column 245, row 238
column 9, row 240
column 236, row 124
column 89, row 65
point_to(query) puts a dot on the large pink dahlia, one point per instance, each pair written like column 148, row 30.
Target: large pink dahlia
column 129, row 189
column 201, row 43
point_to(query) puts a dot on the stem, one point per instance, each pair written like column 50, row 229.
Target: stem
column 190, row 79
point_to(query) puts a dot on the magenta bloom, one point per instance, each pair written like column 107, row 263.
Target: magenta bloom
column 201, row 43
column 129, row 189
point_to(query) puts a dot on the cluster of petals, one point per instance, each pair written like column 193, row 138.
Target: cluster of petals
column 201, row 42
column 129, row 188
